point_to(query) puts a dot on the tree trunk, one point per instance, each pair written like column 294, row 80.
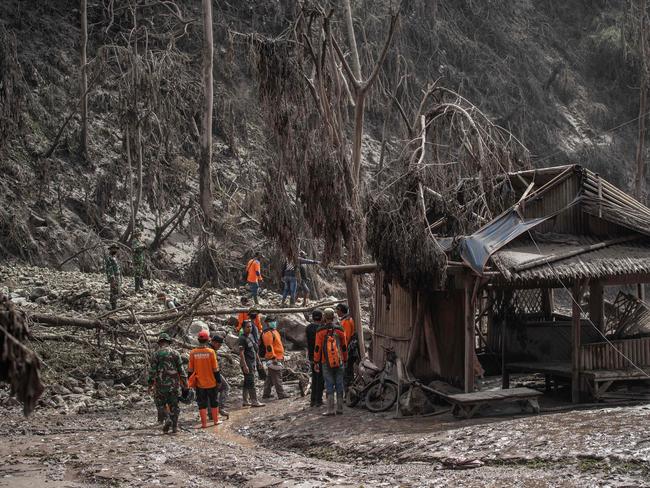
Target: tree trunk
column 205, row 181
column 356, row 64
column 639, row 179
column 83, row 89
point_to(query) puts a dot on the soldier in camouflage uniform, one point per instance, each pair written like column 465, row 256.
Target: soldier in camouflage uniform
column 113, row 274
column 138, row 249
column 166, row 376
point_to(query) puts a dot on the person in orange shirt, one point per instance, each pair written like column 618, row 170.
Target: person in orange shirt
column 347, row 322
column 330, row 356
column 273, row 355
column 254, row 318
column 254, row 275
column 241, row 316
column 205, row 377
column 352, row 339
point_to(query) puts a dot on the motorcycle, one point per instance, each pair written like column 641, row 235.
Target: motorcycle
column 375, row 386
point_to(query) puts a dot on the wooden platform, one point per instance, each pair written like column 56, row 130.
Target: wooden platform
column 468, row 404
column 599, row 380
column 551, row 370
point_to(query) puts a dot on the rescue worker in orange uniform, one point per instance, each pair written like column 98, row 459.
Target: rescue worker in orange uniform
column 273, row 356
column 254, row 275
column 205, row 377
column 254, row 317
column 352, row 340
column 330, row 356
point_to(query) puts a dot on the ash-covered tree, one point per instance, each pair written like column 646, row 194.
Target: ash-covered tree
column 205, row 158
column 83, row 81
column 314, row 103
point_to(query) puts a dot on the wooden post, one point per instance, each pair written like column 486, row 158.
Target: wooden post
column 469, row 337
column 640, row 291
column 547, row 303
column 575, row 343
column 597, row 305
column 354, row 305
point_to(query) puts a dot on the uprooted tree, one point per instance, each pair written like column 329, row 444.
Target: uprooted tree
column 448, row 180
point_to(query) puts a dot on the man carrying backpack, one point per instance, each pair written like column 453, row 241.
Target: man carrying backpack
column 271, row 346
column 165, row 378
column 330, row 355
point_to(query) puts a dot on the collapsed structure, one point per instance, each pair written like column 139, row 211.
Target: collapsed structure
column 569, row 232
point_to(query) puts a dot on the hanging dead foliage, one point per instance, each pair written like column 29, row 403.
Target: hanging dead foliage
column 304, row 106
column 448, row 181
column 19, row 366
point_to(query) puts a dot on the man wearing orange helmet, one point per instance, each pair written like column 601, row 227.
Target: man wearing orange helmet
column 205, row 377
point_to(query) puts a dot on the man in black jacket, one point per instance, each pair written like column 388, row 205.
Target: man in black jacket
column 316, row 377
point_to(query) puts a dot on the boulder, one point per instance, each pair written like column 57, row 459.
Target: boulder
column 60, row 390
column 292, row 327
column 37, row 292
column 232, row 341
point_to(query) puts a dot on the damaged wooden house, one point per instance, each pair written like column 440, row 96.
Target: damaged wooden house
column 569, row 237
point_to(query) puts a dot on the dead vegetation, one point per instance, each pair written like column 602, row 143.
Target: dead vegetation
column 19, row 365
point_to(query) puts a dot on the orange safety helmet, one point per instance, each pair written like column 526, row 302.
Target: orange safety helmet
column 204, row 335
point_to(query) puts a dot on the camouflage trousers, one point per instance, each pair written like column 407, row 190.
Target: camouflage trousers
column 167, row 396
column 138, row 281
column 114, row 293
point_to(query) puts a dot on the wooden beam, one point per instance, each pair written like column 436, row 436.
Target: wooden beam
column 575, row 342
column 574, row 252
column 548, row 302
column 628, row 279
column 469, row 336
column 356, row 268
column 354, row 305
column 597, row 305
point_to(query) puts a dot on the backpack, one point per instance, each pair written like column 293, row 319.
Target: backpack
column 333, row 349
column 244, row 274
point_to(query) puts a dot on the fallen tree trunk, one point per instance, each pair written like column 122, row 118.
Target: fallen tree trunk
column 63, row 321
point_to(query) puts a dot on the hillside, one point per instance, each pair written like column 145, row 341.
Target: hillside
column 560, row 76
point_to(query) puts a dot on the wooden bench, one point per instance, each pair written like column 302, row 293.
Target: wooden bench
column 550, row 369
column 599, row 380
column 466, row 405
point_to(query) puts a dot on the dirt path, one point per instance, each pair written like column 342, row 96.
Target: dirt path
column 287, row 445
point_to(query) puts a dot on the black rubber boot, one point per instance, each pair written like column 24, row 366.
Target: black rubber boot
column 174, row 423
column 168, row 423
column 161, row 415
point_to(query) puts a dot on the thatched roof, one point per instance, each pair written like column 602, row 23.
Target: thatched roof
column 606, row 262
column 568, row 224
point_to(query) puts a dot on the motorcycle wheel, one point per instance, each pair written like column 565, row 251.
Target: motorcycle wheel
column 381, row 396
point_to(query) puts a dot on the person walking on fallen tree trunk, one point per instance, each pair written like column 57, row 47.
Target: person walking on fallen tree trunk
column 165, row 378
column 205, row 377
column 249, row 362
column 330, row 356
